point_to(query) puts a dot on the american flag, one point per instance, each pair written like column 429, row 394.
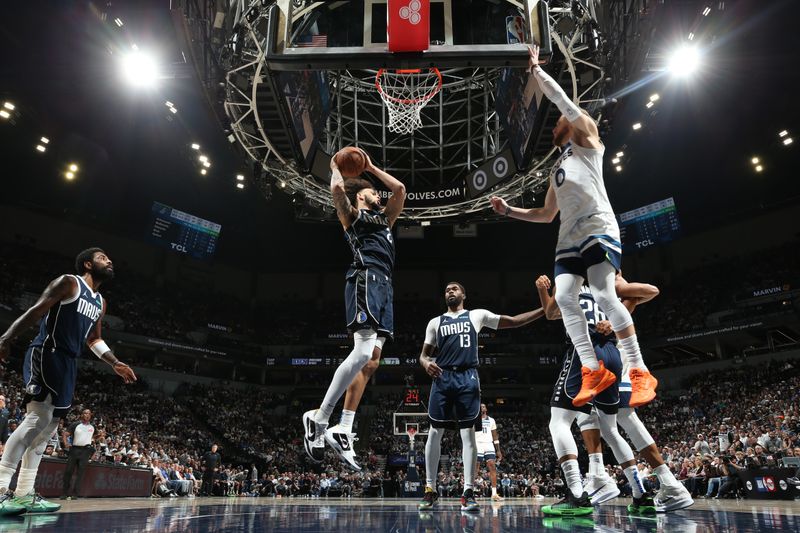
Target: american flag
column 309, row 41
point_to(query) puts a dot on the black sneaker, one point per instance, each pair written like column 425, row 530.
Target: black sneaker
column 468, row 502
column 429, row 499
column 570, row 506
column 643, row 505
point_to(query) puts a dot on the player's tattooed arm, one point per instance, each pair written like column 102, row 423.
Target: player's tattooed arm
column 59, row 289
column 522, row 319
column 344, row 209
column 396, row 202
column 547, row 213
column 551, row 309
column 427, row 362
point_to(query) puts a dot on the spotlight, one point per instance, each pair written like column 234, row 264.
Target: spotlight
column 283, row 184
column 118, row 22
column 203, row 171
column 783, row 133
column 239, row 177
column 615, row 161
column 73, row 167
column 691, row 36
column 202, row 158
column 620, row 154
column 618, row 168
column 654, row 97
column 139, row 69
column 759, row 168
column 206, row 164
column 706, row 11
column 173, row 110
column 40, row 148
column 787, row 141
column 169, row 104
column 637, row 126
column 9, row 106
column 195, row 146
column 684, row 61
column 70, row 175
column 755, row 160
column 648, row 105
column 4, row 113
column 45, row 140
column 240, row 185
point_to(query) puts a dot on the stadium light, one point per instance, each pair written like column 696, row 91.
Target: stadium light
column 755, row 160
column 40, row 148
column 706, row 11
column 118, row 22
column 239, row 177
column 637, row 126
column 240, row 185
column 283, row 184
column 759, row 168
column 139, row 69
column 9, row 106
column 202, row 158
column 654, row 97
column 648, row 105
column 206, row 164
column 783, row 133
column 691, row 36
column 45, row 140
column 203, row 171
column 173, row 110
column 4, row 113
column 73, row 167
column 195, row 146
column 618, row 168
column 615, row 161
column 684, row 61
column 70, row 175
column 620, row 154
column 787, row 141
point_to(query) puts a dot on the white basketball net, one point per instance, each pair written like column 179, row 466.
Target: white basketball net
column 405, row 93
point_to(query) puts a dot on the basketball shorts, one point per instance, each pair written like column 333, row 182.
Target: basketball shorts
column 368, row 299
column 569, row 381
column 49, row 372
column 587, row 242
column 486, row 452
column 455, row 400
column 624, row 394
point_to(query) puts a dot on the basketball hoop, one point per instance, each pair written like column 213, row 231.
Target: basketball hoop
column 412, row 432
column 405, row 93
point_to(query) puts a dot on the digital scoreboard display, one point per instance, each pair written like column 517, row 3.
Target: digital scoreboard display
column 183, row 233
column 649, row 225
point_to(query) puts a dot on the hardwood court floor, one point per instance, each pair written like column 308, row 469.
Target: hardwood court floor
column 392, row 515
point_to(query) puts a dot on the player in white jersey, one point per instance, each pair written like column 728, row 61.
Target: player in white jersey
column 489, row 448
column 588, row 242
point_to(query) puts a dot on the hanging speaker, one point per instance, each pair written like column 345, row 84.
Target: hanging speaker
column 491, row 173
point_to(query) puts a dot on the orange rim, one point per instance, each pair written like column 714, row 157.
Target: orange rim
column 409, row 101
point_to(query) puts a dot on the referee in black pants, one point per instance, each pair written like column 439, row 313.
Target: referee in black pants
column 211, row 461
column 81, row 450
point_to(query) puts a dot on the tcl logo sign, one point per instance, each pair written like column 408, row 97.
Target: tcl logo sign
column 178, row 247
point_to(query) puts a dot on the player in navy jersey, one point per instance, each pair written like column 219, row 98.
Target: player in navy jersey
column 69, row 314
column 368, row 303
column 450, row 357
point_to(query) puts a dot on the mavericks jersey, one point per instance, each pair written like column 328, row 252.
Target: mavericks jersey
column 66, row 326
column 578, row 183
column 484, row 436
column 455, row 336
column 591, row 311
column 371, row 241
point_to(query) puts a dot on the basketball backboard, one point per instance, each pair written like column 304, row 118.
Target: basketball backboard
column 352, row 34
column 403, row 421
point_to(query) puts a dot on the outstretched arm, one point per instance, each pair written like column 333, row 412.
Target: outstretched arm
column 522, row 319
column 103, row 352
column 640, row 292
column 553, row 91
column 395, row 203
column 551, row 309
column 344, row 209
column 59, row 289
column 546, row 213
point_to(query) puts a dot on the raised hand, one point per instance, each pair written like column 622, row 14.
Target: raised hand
column 533, row 56
column 499, row 205
column 543, row 282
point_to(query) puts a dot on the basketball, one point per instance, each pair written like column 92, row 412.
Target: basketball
column 351, row 161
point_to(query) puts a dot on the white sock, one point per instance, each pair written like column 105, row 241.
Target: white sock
column 572, row 476
column 665, row 476
column 25, row 481
column 433, row 451
column 596, row 467
column 494, row 491
column 6, row 473
column 632, row 475
column 630, row 345
column 469, row 454
column 348, row 417
column 349, row 369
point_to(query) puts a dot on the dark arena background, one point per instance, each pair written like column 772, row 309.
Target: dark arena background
column 191, row 140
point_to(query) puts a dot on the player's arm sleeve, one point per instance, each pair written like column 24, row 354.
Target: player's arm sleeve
column 430, row 331
column 482, row 318
column 553, row 91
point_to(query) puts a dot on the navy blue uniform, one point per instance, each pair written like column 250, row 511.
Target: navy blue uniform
column 368, row 291
column 569, row 379
column 455, row 399
column 51, row 364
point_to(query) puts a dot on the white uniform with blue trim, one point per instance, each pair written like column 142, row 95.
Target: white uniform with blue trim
column 484, row 437
column 587, row 217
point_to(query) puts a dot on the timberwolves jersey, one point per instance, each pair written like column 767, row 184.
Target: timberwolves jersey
column 578, row 183
column 66, row 326
column 456, row 337
column 370, row 238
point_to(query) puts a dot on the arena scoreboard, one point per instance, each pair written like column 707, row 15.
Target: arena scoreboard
column 649, row 225
column 183, row 233
column 411, row 397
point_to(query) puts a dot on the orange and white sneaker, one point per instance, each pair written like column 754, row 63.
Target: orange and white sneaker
column 593, row 382
column 643, row 387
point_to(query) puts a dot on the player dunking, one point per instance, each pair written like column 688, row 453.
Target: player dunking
column 69, row 314
column 368, row 300
column 489, row 448
column 588, row 242
column 456, row 391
